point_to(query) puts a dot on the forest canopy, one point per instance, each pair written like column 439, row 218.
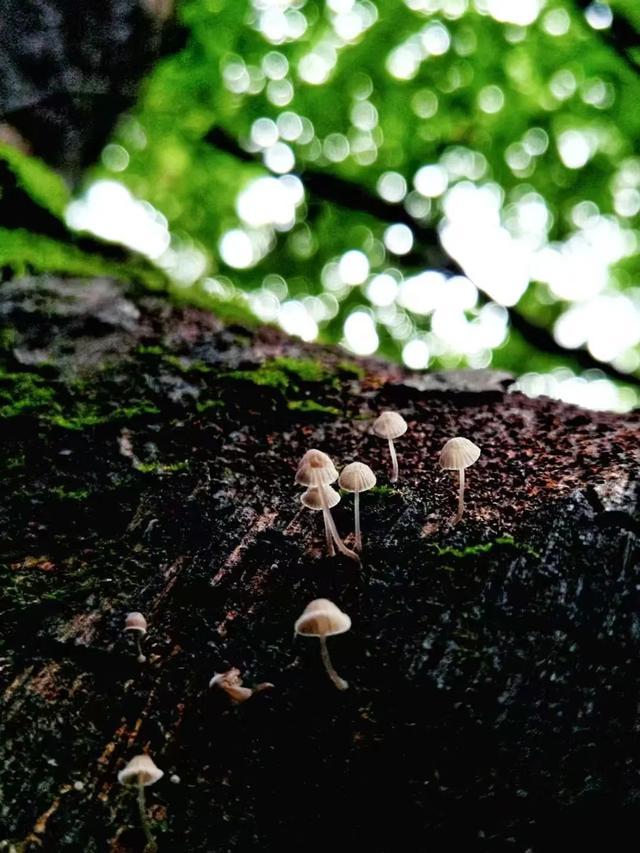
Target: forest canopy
column 448, row 183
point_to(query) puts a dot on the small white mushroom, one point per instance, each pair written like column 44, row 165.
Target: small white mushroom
column 456, row 455
column 316, row 471
column 391, row 425
column 136, row 623
column 321, row 618
column 231, row 682
column 357, row 477
column 141, row 771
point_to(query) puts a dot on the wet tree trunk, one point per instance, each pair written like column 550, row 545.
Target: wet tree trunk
column 148, row 456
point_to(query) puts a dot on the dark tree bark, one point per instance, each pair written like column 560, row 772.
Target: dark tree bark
column 149, row 454
column 70, row 68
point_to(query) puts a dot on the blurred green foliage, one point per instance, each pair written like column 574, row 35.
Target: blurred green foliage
column 525, row 98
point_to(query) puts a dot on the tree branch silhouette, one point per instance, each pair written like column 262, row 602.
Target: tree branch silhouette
column 621, row 37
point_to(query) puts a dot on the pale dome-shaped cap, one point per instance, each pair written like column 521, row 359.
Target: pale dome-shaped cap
column 357, row 477
column 321, row 618
column 458, row 453
column 312, row 499
column 140, row 770
column 390, row 425
column 316, row 469
column 316, row 458
column 135, row 622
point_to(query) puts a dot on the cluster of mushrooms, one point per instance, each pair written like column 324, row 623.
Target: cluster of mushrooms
column 321, row 618
column 317, row 473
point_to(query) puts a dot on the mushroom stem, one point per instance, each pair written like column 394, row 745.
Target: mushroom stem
column 460, row 497
column 141, row 657
column 394, row 461
column 330, row 523
column 327, row 533
column 356, row 513
column 151, row 845
column 340, row 683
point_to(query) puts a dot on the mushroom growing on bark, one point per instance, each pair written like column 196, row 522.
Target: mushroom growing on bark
column 142, row 771
column 456, row 455
column 357, row 477
column 321, row 618
column 317, row 472
column 231, row 682
column 390, row 425
column 136, row 623
column 312, row 499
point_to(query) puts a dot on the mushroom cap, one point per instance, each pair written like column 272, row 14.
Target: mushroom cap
column 140, row 770
column 316, row 469
column 458, row 453
column 357, row 477
column 315, row 457
column 321, row 618
column 135, row 622
column 390, row 425
column 311, row 498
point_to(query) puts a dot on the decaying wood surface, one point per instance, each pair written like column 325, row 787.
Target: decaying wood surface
column 149, row 454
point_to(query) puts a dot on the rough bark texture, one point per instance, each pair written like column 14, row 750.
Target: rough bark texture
column 148, row 457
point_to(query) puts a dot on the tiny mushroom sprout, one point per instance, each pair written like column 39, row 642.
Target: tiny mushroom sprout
column 316, row 471
column 136, row 623
column 391, row 425
column 231, row 682
column 456, row 455
column 321, row 618
column 357, row 477
column 142, row 771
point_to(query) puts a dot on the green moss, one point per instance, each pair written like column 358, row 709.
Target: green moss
column 264, row 376
column 37, row 180
column 485, row 547
column 161, row 468
column 284, row 372
column 206, row 405
column 382, row 492
column 149, row 350
column 311, row 406
column 351, row 368
column 23, row 252
column 304, row 369
column 23, row 393
column 8, row 338
column 27, row 393
column 87, row 415
column 185, row 365
column 70, row 495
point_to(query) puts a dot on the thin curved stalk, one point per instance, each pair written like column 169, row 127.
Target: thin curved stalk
column 330, row 523
column 340, row 683
column 141, row 656
column 327, row 533
column 336, row 538
column 394, row 462
column 460, row 497
column 356, row 513
column 151, row 845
